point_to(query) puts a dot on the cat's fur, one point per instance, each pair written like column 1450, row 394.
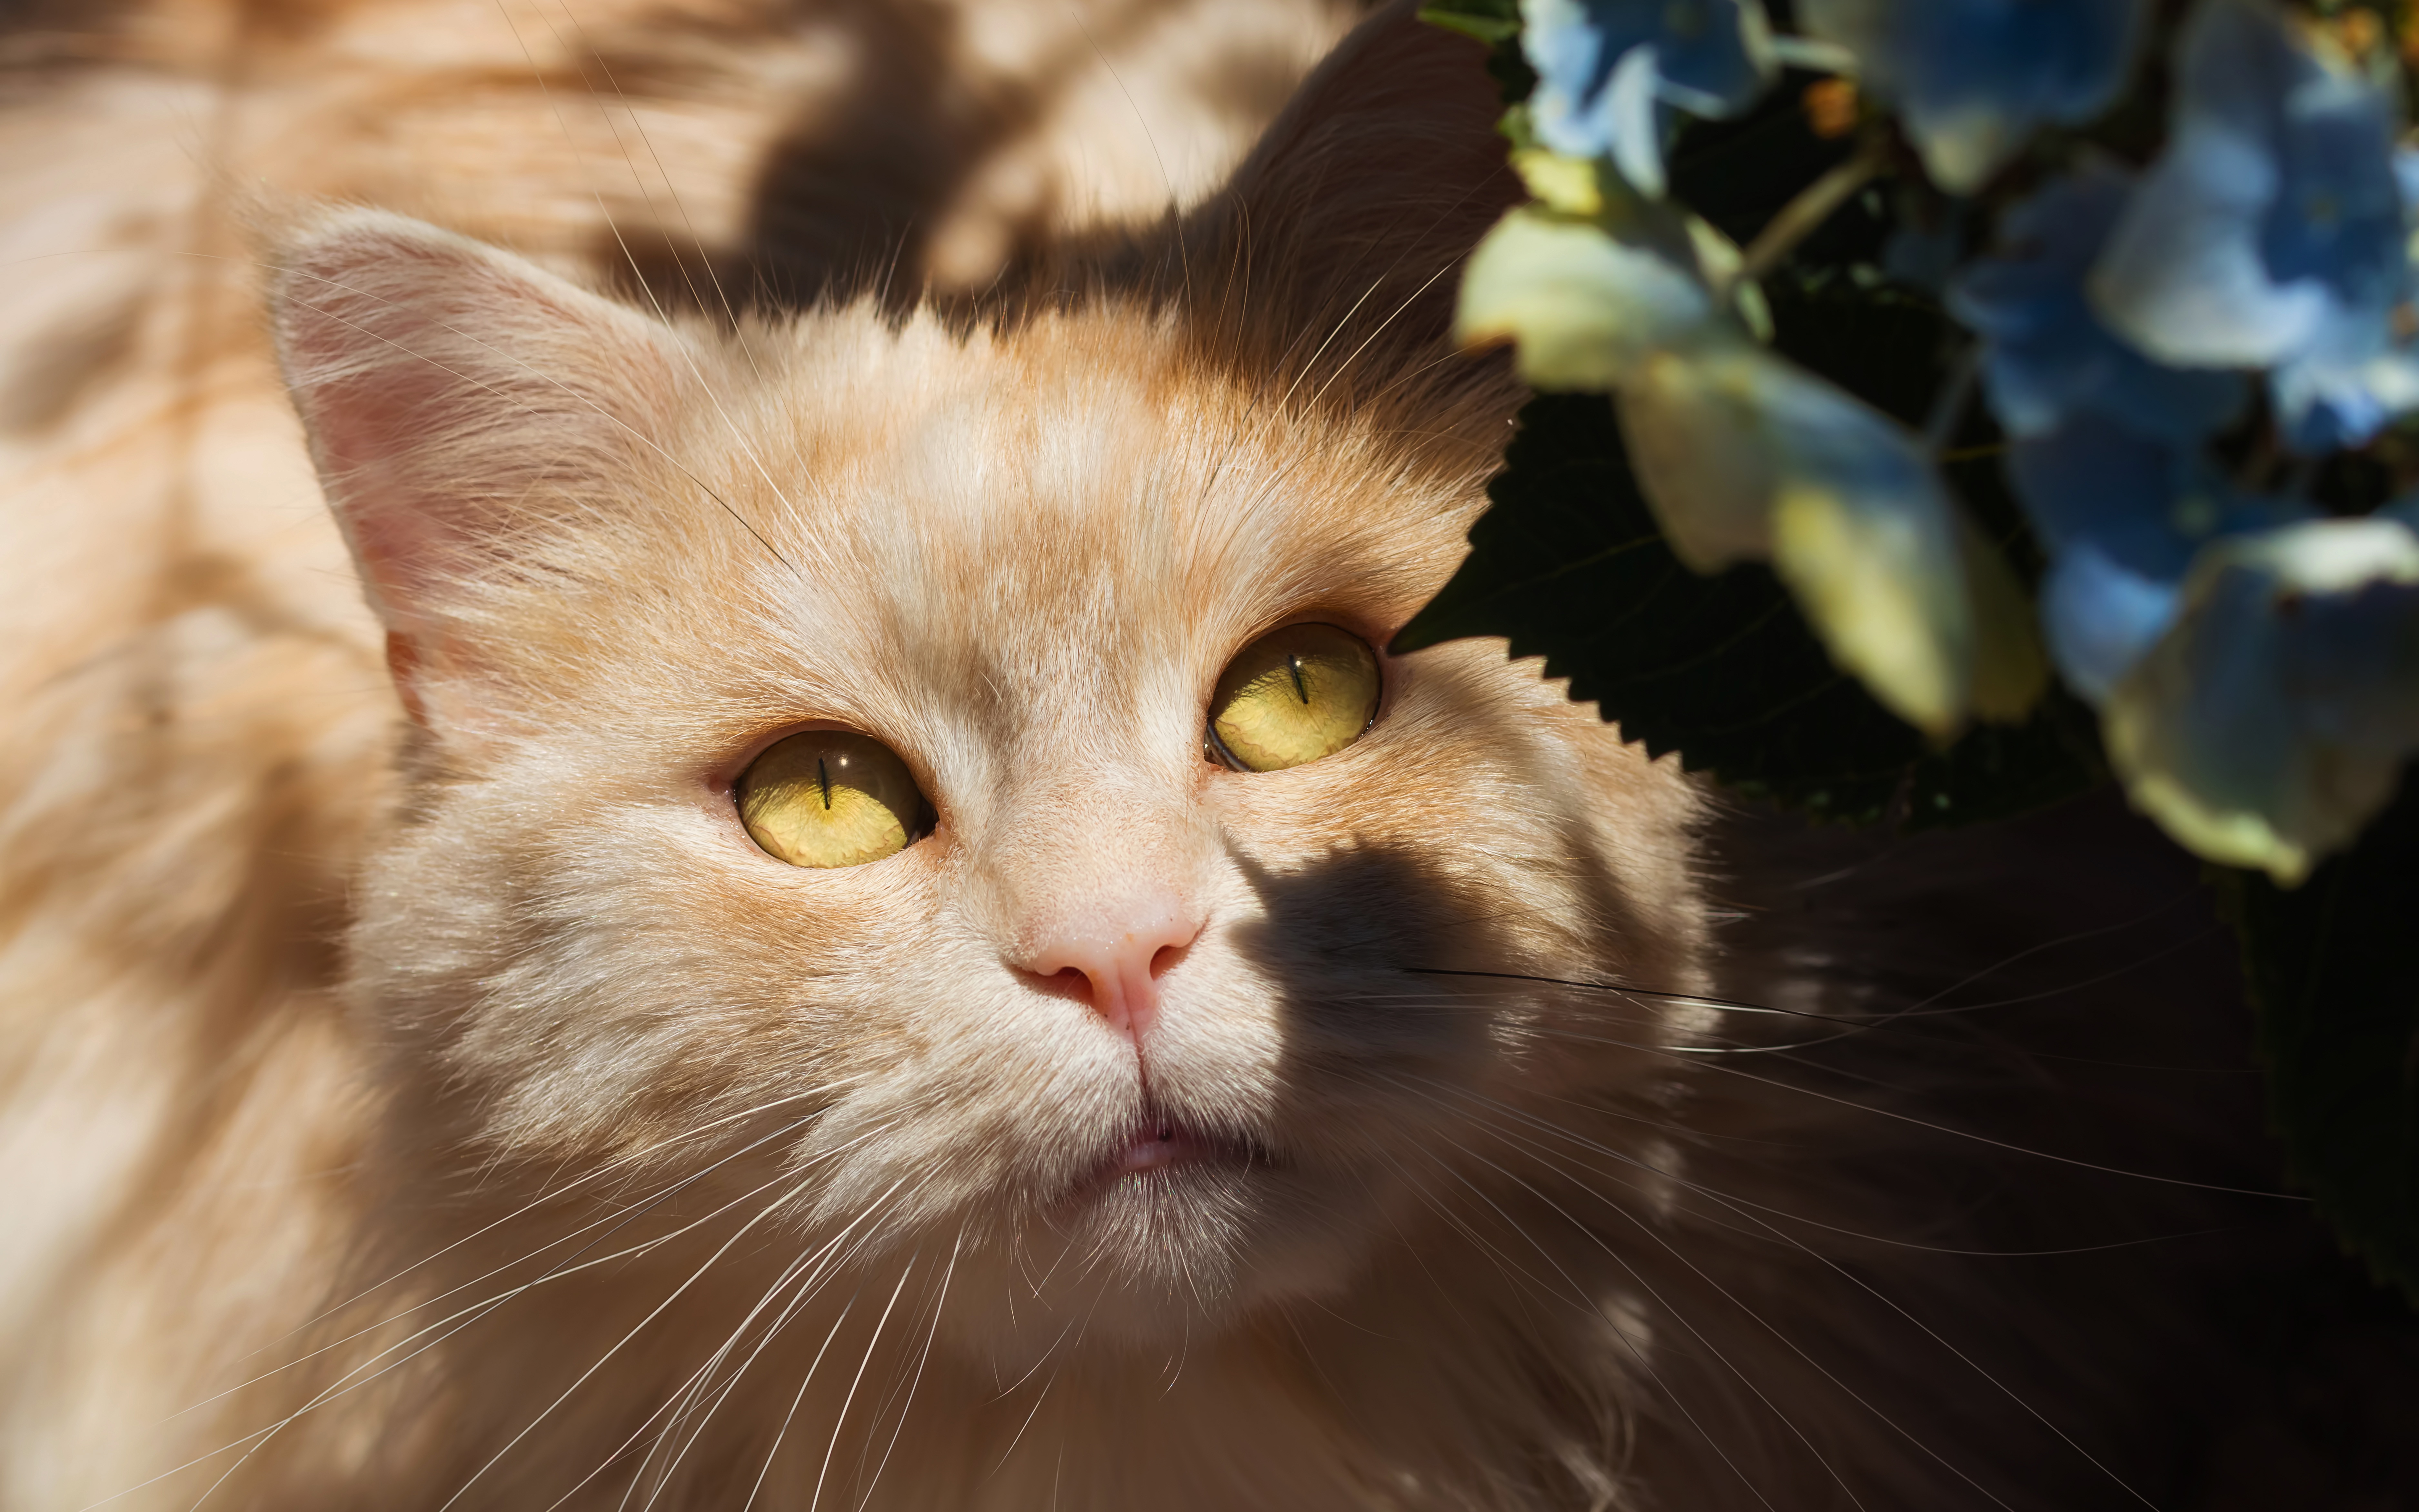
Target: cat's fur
column 438, row 1100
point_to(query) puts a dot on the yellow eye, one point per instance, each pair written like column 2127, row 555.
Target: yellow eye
column 830, row 799
column 1292, row 696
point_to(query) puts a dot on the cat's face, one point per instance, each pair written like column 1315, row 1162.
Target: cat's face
column 1138, row 1039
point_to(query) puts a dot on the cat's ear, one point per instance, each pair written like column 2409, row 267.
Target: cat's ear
column 1342, row 233
column 455, row 397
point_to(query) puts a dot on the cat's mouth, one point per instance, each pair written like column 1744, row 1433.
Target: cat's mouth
column 1160, row 1144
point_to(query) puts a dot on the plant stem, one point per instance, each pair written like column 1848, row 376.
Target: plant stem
column 1949, row 407
column 1813, row 206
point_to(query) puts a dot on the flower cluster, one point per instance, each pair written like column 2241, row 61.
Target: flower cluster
column 2173, row 346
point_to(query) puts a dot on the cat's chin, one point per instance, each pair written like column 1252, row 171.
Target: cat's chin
column 1177, row 1236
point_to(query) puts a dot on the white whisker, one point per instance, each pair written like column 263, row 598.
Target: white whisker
column 870, row 1344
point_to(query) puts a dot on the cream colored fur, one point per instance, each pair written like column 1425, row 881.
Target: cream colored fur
column 440, row 1101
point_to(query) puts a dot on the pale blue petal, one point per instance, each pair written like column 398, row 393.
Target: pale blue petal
column 2182, row 277
column 2122, row 516
column 2233, row 738
column 2351, row 667
column 2340, row 220
column 1710, row 56
column 2273, row 720
column 1716, row 54
column 2095, row 481
column 2275, row 212
column 1586, row 305
column 1973, row 78
column 1636, row 127
column 2342, row 388
column 2046, row 354
column 2100, row 618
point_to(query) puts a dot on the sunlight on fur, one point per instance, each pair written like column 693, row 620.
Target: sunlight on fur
column 423, row 1092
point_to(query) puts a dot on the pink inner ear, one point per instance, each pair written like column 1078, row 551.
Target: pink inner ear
column 361, row 437
column 449, row 392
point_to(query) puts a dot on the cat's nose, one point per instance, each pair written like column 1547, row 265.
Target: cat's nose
column 1113, row 956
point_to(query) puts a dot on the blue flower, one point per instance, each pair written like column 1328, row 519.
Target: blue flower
column 2122, row 516
column 1609, row 72
column 1972, row 78
column 2358, row 372
column 2046, row 355
column 2270, row 232
column 2273, row 720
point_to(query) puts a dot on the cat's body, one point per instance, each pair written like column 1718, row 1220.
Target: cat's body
column 440, row 1101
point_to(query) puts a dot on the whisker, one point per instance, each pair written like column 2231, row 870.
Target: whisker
column 1681, row 1052
column 1807, row 1251
column 514, row 1443
column 1183, row 255
column 1638, row 1353
column 1693, row 999
column 618, row 1219
column 816, row 1268
column 688, row 354
column 941, row 1301
column 677, row 1408
column 2187, row 894
column 1953, row 1131
column 870, row 1344
column 476, row 1312
column 1588, row 1232
column 1040, row 1397
column 1337, row 330
column 1664, row 1173
column 792, row 1415
column 588, row 52
column 1345, row 368
column 628, row 1158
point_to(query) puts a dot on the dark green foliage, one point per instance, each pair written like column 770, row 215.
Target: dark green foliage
column 1496, row 23
column 2338, row 988
column 1569, row 564
column 1738, row 173
column 1891, row 347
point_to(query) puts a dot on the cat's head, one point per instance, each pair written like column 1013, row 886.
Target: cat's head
column 941, row 786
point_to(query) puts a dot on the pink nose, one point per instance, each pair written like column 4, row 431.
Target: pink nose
column 1112, row 957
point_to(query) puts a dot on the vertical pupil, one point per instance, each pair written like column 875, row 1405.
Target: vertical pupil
column 1293, row 663
column 823, row 779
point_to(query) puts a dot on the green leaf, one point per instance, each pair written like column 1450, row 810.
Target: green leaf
column 1569, row 564
column 2330, row 966
column 1490, row 21
column 1887, row 346
column 1496, row 23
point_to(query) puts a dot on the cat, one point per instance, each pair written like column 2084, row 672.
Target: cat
column 465, row 1047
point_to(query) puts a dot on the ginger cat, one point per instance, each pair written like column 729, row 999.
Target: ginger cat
column 774, row 860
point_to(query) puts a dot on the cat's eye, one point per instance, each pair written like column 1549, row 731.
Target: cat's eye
column 1292, row 696
column 830, row 797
